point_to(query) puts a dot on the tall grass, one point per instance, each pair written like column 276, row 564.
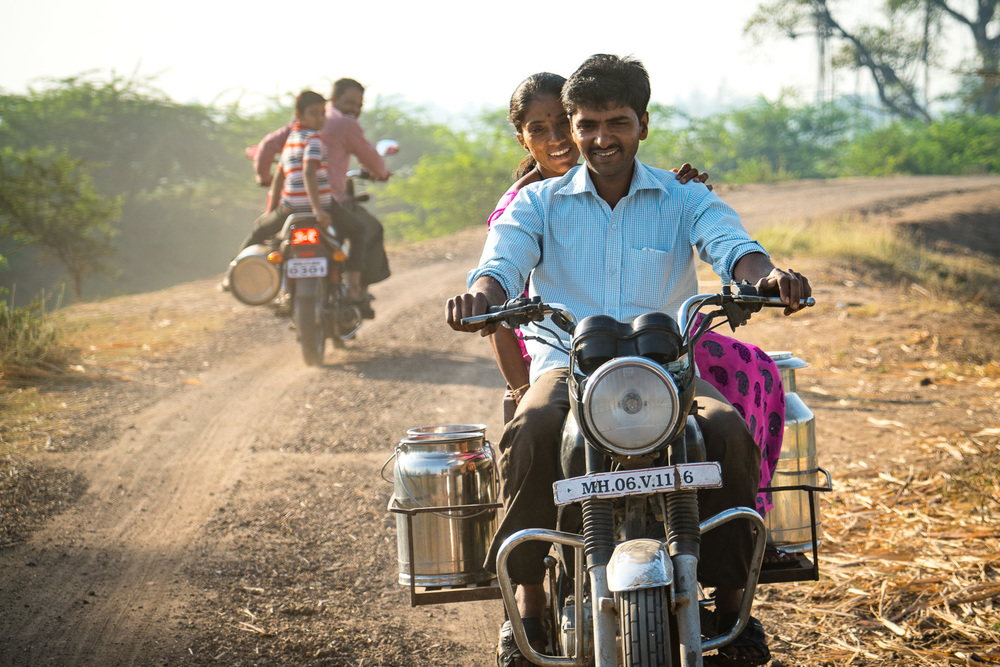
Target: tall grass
column 28, row 337
column 892, row 254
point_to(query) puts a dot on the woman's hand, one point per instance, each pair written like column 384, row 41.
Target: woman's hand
column 687, row 173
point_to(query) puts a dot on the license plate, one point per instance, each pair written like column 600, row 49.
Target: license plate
column 638, row 482
column 308, row 267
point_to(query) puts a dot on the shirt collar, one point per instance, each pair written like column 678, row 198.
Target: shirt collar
column 579, row 181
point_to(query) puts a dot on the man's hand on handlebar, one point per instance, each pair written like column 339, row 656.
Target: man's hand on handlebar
column 469, row 305
column 791, row 286
column 485, row 292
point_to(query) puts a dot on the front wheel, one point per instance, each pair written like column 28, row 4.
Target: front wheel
column 644, row 630
column 308, row 316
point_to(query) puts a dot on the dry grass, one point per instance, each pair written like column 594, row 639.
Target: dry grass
column 890, row 251
column 31, row 419
column 118, row 332
column 97, row 341
column 910, row 566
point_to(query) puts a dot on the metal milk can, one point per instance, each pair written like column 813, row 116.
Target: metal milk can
column 789, row 522
column 445, row 480
column 253, row 278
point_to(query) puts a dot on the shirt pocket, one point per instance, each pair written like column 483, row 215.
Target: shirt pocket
column 647, row 278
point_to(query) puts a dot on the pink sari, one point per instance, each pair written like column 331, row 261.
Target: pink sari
column 748, row 378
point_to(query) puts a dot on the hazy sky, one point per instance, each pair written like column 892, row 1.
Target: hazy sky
column 454, row 54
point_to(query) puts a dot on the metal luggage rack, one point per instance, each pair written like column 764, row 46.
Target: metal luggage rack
column 423, row 595
column 802, row 569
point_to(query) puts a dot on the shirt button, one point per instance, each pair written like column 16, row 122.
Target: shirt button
column 615, row 227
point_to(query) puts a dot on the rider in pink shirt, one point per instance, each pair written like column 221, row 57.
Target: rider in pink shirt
column 343, row 137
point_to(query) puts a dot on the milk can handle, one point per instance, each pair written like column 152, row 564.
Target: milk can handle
column 488, row 448
column 402, row 482
column 382, row 472
column 829, row 478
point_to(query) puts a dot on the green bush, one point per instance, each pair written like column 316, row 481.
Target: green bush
column 959, row 145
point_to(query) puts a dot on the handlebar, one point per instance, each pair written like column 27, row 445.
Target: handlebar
column 744, row 296
column 737, row 302
column 516, row 312
column 362, row 174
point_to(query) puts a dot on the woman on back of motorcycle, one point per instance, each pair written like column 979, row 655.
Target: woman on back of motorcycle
column 542, row 127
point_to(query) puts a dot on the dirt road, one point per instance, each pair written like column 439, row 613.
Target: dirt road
column 230, row 509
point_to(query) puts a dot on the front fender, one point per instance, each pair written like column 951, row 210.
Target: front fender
column 642, row 563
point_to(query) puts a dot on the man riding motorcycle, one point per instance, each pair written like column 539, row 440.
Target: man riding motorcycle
column 343, row 137
column 614, row 237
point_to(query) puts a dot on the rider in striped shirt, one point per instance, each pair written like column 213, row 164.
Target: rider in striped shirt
column 306, row 189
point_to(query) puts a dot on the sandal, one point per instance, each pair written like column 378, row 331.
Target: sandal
column 775, row 558
column 364, row 304
column 749, row 649
column 507, row 651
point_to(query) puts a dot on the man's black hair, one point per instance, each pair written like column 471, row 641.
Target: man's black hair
column 306, row 99
column 341, row 86
column 605, row 81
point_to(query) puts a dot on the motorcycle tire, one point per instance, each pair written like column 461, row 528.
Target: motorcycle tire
column 644, row 631
column 308, row 317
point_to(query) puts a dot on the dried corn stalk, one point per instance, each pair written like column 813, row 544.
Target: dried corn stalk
column 910, row 567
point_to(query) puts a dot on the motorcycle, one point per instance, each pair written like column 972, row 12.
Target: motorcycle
column 622, row 586
column 302, row 271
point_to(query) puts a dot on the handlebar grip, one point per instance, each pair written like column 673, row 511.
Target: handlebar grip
column 473, row 320
column 488, row 318
column 774, row 301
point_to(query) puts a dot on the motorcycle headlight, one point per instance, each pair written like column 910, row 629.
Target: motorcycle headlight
column 630, row 404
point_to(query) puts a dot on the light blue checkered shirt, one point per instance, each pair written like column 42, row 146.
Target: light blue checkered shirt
column 624, row 262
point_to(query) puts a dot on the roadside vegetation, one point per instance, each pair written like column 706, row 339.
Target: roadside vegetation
column 109, row 187
column 28, row 339
column 896, row 254
column 160, row 192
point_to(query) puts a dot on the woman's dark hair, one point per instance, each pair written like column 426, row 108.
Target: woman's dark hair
column 535, row 86
column 306, row 99
column 604, row 81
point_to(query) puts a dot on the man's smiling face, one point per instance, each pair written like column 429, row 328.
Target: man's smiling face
column 609, row 138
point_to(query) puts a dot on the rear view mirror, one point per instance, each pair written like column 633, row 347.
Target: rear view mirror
column 387, row 147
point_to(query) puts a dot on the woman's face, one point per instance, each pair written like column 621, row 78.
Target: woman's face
column 545, row 133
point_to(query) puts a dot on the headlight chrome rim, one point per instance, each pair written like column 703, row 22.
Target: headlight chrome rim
column 614, row 365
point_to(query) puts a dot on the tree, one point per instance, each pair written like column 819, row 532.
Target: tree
column 763, row 141
column 893, row 51
column 187, row 188
column 135, row 139
column 49, row 201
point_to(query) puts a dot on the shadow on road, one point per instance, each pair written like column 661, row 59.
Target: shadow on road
column 423, row 367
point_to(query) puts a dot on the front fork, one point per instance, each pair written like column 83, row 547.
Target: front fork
column 598, row 535
column 684, row 545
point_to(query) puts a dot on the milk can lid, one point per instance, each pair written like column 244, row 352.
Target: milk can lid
column 448, row 429
column 787, row 360
column 443, row 442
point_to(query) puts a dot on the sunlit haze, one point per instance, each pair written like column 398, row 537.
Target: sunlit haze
column 454, row 56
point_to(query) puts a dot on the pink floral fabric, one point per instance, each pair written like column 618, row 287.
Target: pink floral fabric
column 749, row 379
